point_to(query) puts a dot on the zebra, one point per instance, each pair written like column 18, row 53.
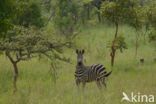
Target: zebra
column 85, row 74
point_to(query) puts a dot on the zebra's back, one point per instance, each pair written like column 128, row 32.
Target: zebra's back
column 94, row 72
column 98, row 70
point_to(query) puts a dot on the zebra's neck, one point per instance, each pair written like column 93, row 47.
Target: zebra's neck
column 80, row 67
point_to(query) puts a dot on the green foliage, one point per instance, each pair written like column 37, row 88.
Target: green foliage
column 152, row 35
column 29, row 42
column 110, row 10
column 137, row 17
column 7, row 10
column 119, row 43
column 23, row 13
column 86, row 1
column 47, row 4
column 5, row 25
column 151, row 19
column 66, row 16
column 126, row 11
column 151, row 14
column 29, row 14
column 114, row 11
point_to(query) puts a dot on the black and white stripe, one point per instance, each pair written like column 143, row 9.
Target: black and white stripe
column 95, row 72
column 85, row 74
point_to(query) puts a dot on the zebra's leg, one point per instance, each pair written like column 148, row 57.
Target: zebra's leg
column 103, row 82
column 83, row 85
column 98, row 84
column 77, row 83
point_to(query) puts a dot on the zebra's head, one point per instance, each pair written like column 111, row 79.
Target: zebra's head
column 79, row 56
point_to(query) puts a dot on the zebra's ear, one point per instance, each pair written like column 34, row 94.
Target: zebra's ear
column 83, row 51
column 77, row 51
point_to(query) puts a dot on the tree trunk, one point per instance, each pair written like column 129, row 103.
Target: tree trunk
column 88, row 11
column 112, row 56
column 15, row 69
column 113, row 47
column 98, row 13
column 15, row 76
column 116, row 32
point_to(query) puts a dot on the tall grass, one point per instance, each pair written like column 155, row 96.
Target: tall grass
column 35, row 83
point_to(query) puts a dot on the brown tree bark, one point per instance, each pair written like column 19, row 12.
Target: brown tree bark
column 116, row 32
column 113, row 45
column 15, row 70
column 112, row 56
column 15, row 76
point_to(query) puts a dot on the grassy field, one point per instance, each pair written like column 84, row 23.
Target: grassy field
column 35, row 83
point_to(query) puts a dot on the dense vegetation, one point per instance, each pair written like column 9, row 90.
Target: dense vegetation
column 39, row 38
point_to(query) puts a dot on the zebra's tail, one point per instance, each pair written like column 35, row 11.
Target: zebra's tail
column 108, row 74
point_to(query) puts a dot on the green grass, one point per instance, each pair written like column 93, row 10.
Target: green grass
column 35, row 83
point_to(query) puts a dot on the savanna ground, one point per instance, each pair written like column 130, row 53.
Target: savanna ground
column 35, row 83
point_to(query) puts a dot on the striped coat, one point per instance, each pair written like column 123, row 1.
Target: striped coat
column 92, row 73
column 85, row 74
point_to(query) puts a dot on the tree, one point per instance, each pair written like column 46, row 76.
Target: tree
column 137, row 19
column 27, row 43
column 116, row 12
column 22, row 39
column 142, row 18
column 132, row 12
